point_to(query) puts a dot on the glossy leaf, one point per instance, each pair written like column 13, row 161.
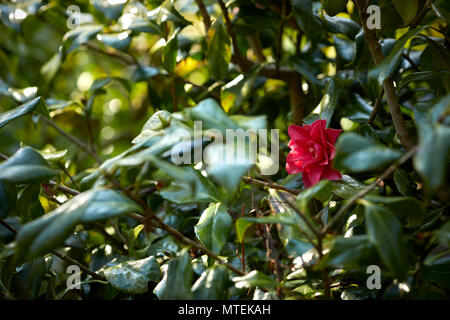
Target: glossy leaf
column 358, row 154
column 36, row 105
column 214, row 227
column 385, row 233
column 133, row 276
column 26, row 166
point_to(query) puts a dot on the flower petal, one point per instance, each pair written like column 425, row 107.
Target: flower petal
column 332, row 135
column 293, row 168
column 298, row 133
column 318, row 131
column 331, row 174
column 314, row 173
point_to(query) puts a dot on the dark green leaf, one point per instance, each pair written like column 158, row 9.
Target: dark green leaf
column 385, row 232
column 37, row 105
column 26, row 166
column 219, row 51
column 177, row 280
column 358, row 154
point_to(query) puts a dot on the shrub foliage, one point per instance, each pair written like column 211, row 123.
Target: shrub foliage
column 92, row 94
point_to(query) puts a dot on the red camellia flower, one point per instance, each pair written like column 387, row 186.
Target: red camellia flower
column 312, row 152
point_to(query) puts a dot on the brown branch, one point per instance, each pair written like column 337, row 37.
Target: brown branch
column 205, row 15
column 388, row 84
column 421, row 14
column 341, row 212
column 280, row 35
column 270, row 185
column 376, row 107
column 83, row 146
column 231, row 33
column 256, row 45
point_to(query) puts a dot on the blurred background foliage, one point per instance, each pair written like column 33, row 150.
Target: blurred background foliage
column 104, row 67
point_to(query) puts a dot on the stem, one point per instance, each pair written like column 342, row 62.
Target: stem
column 376, row 107
column 391, row 95
column 270, row 185
column 302, row 215
column 230, row 31
column 363, row 192
column 421, row 14
column 205, row 15
column 280, row 35
column 72, row 139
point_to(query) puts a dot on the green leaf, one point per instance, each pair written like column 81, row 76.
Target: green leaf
column 243, row 223
column 144, row 73
column 28, row 197
column 341, row 25
column 405, row 185
column 407, row 9
column 358, row 154
column 80, row 36
column 308, row 21
column 133, row 276
column 36, row 105
column 442, row 235
column 177, row 280
column 212, row 284
column 387, row 67
column 434, row 143
column 158, row 121
column 219, row 50
column 8, row 198
column 27, row 282
column 26, row 166
column 347, row 187
column 408, row 207
column 227, row 163
column 254, row 279
column 321, row 191
column 437, row 267
column 110, row 9
column 170, row 53
column 214, row 227
column 212, row 115
column 49, row 231
column 333, row 7
column 352, row 252
column 385, row 232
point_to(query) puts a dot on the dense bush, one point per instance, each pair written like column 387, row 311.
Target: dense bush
column 92, row 97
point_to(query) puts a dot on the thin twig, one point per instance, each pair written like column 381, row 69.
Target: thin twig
column 376, row 107
column 280, row 35
column 205, row 15
column 270, row 185
column 301, row 214
column 342, row 211
column 242, row 243
column 83, row 146
column 421, row 14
